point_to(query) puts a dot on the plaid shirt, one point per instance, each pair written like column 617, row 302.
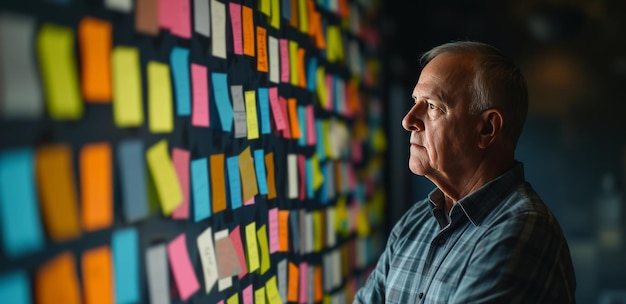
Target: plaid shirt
column 500, row 244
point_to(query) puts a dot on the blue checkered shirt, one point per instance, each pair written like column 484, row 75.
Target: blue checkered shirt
column 500, row 244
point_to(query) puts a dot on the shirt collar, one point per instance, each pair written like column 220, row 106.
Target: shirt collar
column 478, row 204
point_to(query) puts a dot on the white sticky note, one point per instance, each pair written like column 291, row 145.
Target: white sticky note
column 239, row 111
column 157, row 273
column 218, row 29
column 292, row 176
column 206, row 250
column 282, row 278
column 20, row 86
column 124, row 6
column 202, row 17
column 274, row 59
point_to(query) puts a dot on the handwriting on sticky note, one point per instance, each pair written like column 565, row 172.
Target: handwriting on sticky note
column 206, row 250
column 56, row 281
column 283, row 230
column 293, row 63
column 259, row 166
column 284, row 60
column 235, row 237
column 261, row 42
column 199, row 86
column 264, row 110
column 95, row 40
column 164, row 176
column 247, row 295
column 202, row 19
column 272, row 223
column 279, row 120
column 97, row 277
column 239, row 109
column 252, row 252
column 292, row 176
column 259, row 296
column 248, row 30
column 218, row 29
column 55, row 49
column 222, row 100
column 271, row 291
column 180, row 20
column 235, row 20
column 252, row 121
column 182, row 270
column 261, row 234
column 160, row 112
column 234, row 181
column 96, row 175
column 127, row 94
column 294, row 122
column 227, row 256
column 274, row 59
column 57, row 191
column 234, row 299
column 275, row 14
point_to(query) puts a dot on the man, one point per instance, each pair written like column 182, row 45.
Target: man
column 483, row 235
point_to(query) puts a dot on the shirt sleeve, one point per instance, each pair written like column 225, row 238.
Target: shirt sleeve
column 523, row 259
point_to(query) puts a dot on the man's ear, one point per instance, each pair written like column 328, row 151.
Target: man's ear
column 491, row 126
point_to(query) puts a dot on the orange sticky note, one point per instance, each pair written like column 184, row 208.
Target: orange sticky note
column 97, row 277
column 261, row 43
column 318, row 292
column 96, row 189
column 301, row 68
column 271, row 180
column 94, row 37
column 283, row 232
column 57, row 191
column 293, row 21
column 248, row 175
column 218, row 186
column 292, row 286
column 56, row 281
column 248, row 30
column 292, row 105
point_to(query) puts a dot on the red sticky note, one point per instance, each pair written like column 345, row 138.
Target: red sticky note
column 180, row 158
column 182, row 270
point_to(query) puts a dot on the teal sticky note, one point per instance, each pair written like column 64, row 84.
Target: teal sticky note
column 19, row 209
column 179, row 61
column 132, row 168
column 259, row 167
column 308, row 169
column 15, row 288
column 222, row 100
column 311, row 73
column 234, row 181
column 302, row 121
column 124, row 244
column 264, row 109
column 201, row 190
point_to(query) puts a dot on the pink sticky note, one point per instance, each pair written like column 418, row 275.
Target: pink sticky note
column 184, row 275
column 310, row 125
column 247, row 295
column 200, row 88
column 235, row 20
column 180, row 21
column 330, row 92
column 284, row 60
column 357, row 151
column 272, row 223
column 220, row 302
column 235, row 238
column 352, row 182
column 304, row 272
column 165, row 13
column 283, row 108
column 249, row 202
column 180, row 158
column 277, row 112
column 302, row 177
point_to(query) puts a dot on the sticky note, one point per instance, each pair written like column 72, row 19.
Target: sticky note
column 56, row 281
column 320, row 84
column 55, row 50
column 259, row 167
column 301, row 178
column 235, row 20
column 303, row 16
column 264, row 7
column 259, row 296
column 96, row 177
column 264, row 110
column 271, row 291
column 131, row 165
column 285, row 111
column 293, row 19
column 252, row 251
column 302, row 141
column 247, row 30
column 277, row 113
column 281, row 272
column 294, row 276
column 218, row 184
column 283, row 230
column 201, row 189
column 19, row 209
column 286, row 9
column 180, row 158
column 57, row 191
column 222, row 100
column 320, row 148
column 272, row 223
column 239, row 109
column 301, row 69
column 227, row 256
column 252, row 122
column 235, row 238
column 275, row 13
column 308, row 177
column 164, row 176
column 273, row 59
column 201, row 17
column 293, row 63
column 179, row 61
column 218, row 29
column 180, row 19
column 182, row 270
column 206, row 250
column 160, row 112
column 294, row 227
column 261, row 234
column 147, row 17
column 294, row 122
column 96, row 267
column 248, row 175
column 15, row 287
column 234, row 181
column 95, row 41
column 318, row 291
column 311, row 136
column 157, row 274
column 246, row 295
column 165, row 10
column 284, row 59
column 124, row 244
column 311, row 74
column 261, row 41
column 292, row 176
column 271, row 180
column 199, row 86
column 124, row 6
column 127, row 93
column 234, row 299
column 304, row 282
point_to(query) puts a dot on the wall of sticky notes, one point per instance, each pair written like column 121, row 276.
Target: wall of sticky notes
column 189, row 151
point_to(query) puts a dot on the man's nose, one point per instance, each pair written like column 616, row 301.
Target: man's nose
column 412, row 120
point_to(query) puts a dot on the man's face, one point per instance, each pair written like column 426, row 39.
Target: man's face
column 444, row 135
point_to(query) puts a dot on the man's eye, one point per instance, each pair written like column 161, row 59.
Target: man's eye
column 431, row 106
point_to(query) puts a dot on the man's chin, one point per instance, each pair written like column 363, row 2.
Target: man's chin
column 417, row 169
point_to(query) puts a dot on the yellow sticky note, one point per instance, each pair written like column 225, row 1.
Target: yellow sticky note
column 263, row 246
column 56, row 281
column 271, row 291
column 264, row 7
column 303, row 16
column 259, row 296
column 55, row 49
column 160, row 105
column 320, row 85
column 252, row 122
column 252, row 252
column 248, row 175
column 293, row 63
column 164, row 177
column 234, row 299
column 96, row 175
column 362, row 222
column 275, row 14
column 318, row 177
column 326, row 139
column 127, row 94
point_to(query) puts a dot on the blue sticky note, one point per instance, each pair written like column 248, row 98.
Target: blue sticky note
column 124, row 244
column 337, row 99
column 222, row 100
column 302, row 121
column 19, row 209
column 179, row 61
column 201, row 189
column 15, row 288
column 320, row 148
column 264, row 109
column 131, row 164
column 259, row 167
column 308, row 169
column 311, row 73
column 286, row 9
column 234, row 181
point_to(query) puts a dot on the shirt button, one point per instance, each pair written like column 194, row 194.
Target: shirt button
column 421, row 295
